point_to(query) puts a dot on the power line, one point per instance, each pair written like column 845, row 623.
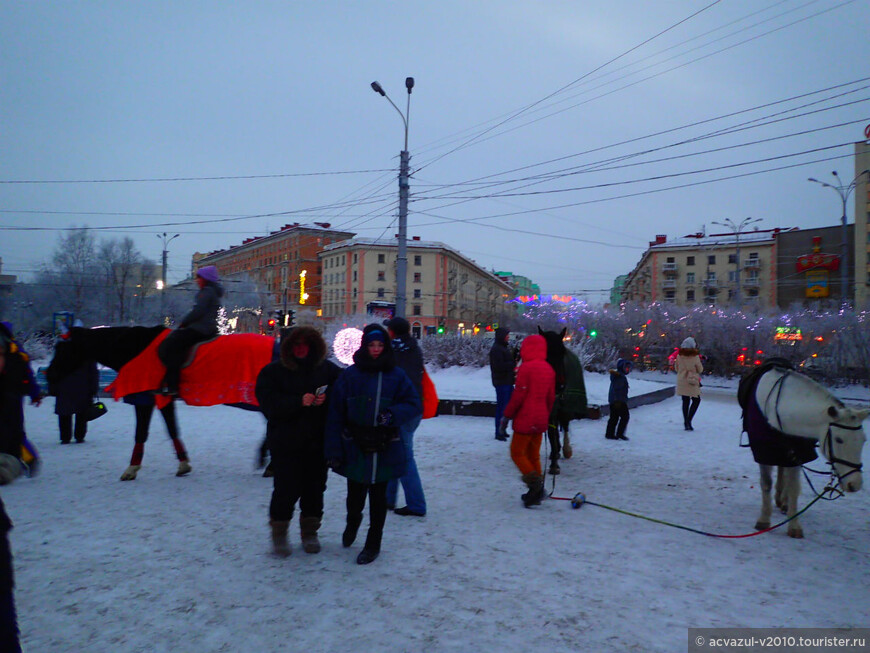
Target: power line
column 164, row 179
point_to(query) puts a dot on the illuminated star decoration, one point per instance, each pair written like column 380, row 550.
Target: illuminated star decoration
column 345, row 343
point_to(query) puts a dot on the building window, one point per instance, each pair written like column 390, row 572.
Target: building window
column 754, row 255
column 380, row 292
column 732, row 276
column 732, row 259
column 418, row 260
column 417, row 293
column 690, row 260
column 381, row 275
column 753, row 292
column 670, row 259
column 690, row 277
column 418, row 277
column 690, row 295
column 711, row 276
column 354, row 257
column 354, row 275
column 711, row 259
column 417, row 309
column 381, row 258
column 669, row 294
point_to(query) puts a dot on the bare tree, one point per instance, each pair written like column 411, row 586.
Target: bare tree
column 120, row 262
column 74, row 272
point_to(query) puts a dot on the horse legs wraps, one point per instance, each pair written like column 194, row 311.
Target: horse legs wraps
column 143, row 423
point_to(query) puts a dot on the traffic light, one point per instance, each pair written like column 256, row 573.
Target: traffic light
column 593, row 333
column 440, row 328
column 270, row 324
column 291, row 317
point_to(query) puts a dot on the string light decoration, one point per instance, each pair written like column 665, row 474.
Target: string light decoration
column 345, row 343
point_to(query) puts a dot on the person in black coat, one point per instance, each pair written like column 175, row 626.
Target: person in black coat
column 199, row 325
column 293, row 395
column 9, row 642
column 502, row 363
column 74, row 395
column 617, row 397
column 408, row 357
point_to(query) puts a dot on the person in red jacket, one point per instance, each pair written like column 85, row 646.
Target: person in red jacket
column 529, row 408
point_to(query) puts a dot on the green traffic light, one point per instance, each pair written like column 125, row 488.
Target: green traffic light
column 593, row 333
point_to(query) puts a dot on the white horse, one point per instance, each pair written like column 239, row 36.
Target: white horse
column 796, row 405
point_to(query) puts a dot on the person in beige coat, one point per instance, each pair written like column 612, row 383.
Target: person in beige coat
column 688, row 367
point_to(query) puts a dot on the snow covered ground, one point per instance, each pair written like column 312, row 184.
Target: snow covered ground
column 181, row 564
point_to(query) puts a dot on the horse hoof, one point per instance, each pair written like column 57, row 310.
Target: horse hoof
column 130, row 473
column 567, row 451
column 796, row 533
column 183, row 468
column 762, row 525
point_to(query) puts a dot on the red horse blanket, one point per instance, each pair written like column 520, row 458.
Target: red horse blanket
column 224, row 371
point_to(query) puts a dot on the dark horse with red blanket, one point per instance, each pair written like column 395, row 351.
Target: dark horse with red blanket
column 219, row 371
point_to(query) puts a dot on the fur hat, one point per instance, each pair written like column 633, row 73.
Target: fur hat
column 208, row 273
column 398, row 325
column 624, row 366
column 689, row 343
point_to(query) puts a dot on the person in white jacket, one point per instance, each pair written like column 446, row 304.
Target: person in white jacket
column 688, row 367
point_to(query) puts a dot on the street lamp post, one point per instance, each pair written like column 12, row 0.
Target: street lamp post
column 843, row 191
column 737, row 228
column 404, row 159
column 166, row 242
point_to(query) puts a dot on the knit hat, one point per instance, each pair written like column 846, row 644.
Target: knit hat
column 689, row 343
column 624, row 366
column 398, row 325
column 208, row 273
column 375, row 333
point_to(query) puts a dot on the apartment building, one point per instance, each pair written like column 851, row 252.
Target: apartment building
column 443, row 286
column 285, row 262
column 726, row 268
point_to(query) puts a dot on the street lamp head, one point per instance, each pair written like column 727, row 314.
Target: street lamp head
column 813, row 179
column 409, row 84
column 377, row 89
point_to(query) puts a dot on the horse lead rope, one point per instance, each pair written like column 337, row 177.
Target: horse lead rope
column 575, row 503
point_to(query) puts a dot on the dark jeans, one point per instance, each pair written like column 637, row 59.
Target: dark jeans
column 502, row 397
column 173, row 351
column 65, row 423
column 300, row 478
column 356, row 501
column 618, row 421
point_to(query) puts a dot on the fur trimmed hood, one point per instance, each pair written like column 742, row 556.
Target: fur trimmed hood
column 688, row 351
column 316, row 348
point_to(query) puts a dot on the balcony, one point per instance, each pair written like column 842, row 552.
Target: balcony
column 751, row 282
column 710, row 283
column 669, row 268
column 669, row 284
column 751, row 264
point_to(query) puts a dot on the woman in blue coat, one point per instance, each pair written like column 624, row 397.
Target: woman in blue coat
column 369, row 401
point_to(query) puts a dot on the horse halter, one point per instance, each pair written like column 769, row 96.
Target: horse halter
column 832, row 458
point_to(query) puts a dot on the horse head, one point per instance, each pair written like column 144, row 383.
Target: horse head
column 843, row 444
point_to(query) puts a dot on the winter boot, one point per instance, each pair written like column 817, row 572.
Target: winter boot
column 536, row 490
column 308, row 527
column 349, row 535
column 280, row 545
column 372, row 547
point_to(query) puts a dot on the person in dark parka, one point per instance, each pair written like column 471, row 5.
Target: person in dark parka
column 409, row 357
column 198, row 325
column 370, row 401
column 293, row 393
column 502, row 363
column 9, row 633
column 617, row 397
column 74, row 395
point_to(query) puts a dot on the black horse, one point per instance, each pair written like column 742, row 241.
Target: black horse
column 114, row 347
column 570, row 395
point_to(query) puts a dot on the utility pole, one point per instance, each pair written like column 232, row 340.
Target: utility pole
column 737, row 229
column 843, row 191
column 166, row 242
column 404, row 184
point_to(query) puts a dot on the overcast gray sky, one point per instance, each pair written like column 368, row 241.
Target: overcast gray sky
column 547, row 138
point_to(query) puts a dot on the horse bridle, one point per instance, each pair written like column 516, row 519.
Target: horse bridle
column 829, row 438
column 832, row 458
